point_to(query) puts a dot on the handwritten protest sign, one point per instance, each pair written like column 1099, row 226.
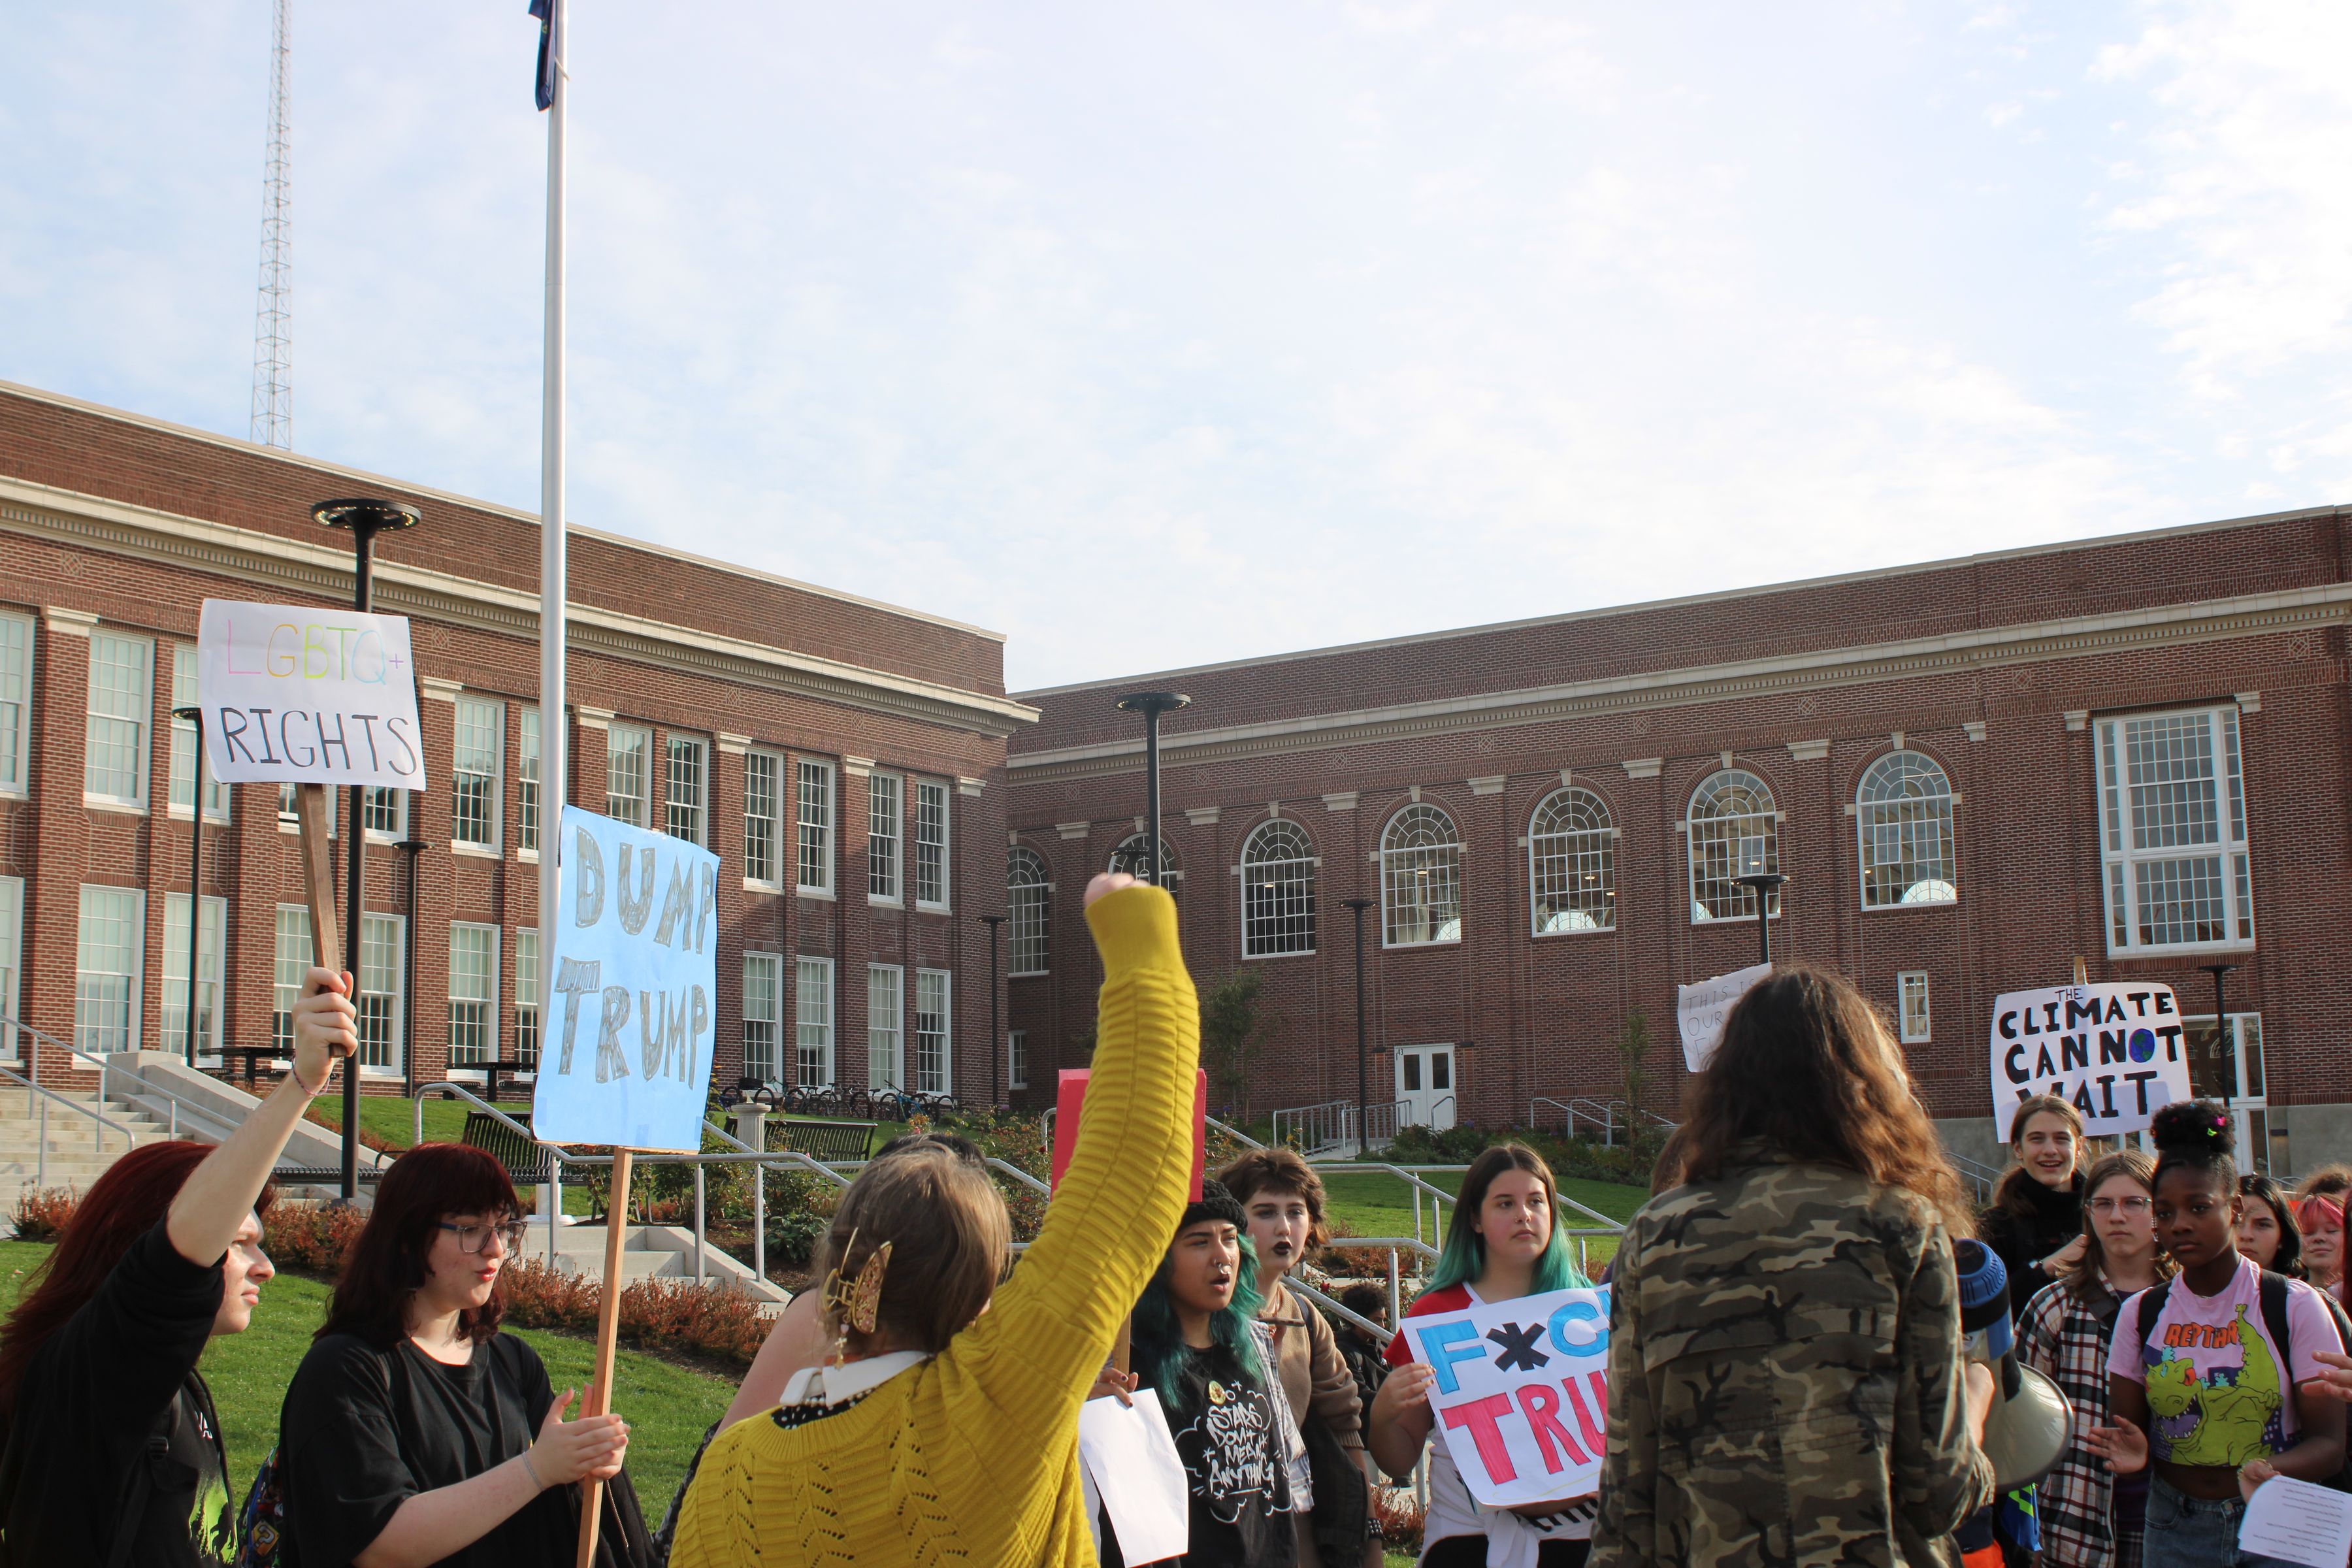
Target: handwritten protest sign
column 1700, row 1010
column 1521, row 1392
column 630, row 992
column 2114, row 1052
column 298, row 694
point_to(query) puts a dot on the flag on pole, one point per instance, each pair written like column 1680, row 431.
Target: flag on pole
column 550, row 52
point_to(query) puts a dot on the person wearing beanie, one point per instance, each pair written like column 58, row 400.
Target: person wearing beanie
column 2215, row 1374
column 1199, row 1343
column 2009, row 1530
column 2035, row 1220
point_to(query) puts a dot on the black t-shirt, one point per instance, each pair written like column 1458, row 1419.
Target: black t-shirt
column 366, row 1427
column 122, row 1370
column 1234, row 1465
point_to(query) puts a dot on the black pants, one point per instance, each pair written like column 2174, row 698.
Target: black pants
column 1470, row 1552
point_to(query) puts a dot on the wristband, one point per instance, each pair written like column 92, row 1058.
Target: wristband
column 294, row 1070
column 533, row 1469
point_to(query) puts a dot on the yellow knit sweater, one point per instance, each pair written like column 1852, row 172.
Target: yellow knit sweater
column 971, row 1458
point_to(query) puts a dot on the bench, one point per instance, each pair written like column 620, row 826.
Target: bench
column 525, row 1162
column 826, row 1141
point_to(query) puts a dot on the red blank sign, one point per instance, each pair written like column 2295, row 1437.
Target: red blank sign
column 1070, row 1104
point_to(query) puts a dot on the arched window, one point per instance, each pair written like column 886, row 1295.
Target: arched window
column 1027, row 896
column 1572, row 862
column 1421, row 878
column 1734, row 830
column 1277, row 890
column 1133, row 854
column 1904, row 813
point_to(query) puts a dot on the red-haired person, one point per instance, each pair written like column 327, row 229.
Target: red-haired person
column 113, row 1452
column 415, row 1432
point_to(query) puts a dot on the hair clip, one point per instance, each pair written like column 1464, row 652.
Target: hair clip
column 855, row 1304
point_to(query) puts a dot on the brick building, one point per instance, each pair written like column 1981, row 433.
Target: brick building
column 1946, row 760
column 844, row 758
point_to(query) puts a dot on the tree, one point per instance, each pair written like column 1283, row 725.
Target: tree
column 1231, row 1034
column 1632, row 1047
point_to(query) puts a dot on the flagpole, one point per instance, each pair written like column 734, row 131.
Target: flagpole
column 554, row 732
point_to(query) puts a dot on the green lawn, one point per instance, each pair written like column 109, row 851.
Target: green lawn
column 667, row 1407
column 1378, row 1205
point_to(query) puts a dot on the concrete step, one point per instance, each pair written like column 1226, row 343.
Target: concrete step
column 649, row 1252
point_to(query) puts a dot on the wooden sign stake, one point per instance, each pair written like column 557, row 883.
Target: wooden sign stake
column 316, row 814
column 608, row 1327
column 2082, row 970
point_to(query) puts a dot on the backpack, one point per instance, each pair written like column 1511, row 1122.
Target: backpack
column 2275, row 1288
column 262, row 1524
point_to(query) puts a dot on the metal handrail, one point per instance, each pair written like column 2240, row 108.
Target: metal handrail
column 1235, row 1133
column 99, row 1120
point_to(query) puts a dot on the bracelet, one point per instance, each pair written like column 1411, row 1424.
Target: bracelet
column 294, row 1070
column 533, row 1469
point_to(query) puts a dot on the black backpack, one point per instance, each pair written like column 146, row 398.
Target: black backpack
column 2275, row 1288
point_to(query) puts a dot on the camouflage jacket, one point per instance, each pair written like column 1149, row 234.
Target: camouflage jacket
column 1784, row 1379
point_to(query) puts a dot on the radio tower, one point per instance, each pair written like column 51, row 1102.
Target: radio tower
column 273, row 341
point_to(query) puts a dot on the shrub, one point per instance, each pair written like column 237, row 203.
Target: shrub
column 43, row 1213
column 1398, row 1517
column 706, row 1319
column 312, row 1239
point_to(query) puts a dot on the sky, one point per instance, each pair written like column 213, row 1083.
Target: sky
column 1154, row 335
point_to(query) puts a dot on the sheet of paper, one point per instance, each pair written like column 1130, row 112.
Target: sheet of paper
column 1700, row 1009
column 2299, row 1522
column 1130, row 1456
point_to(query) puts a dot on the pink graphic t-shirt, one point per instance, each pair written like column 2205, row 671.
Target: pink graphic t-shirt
column 2218, row 1391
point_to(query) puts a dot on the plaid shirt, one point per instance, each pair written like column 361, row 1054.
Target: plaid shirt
column 2064, row 1338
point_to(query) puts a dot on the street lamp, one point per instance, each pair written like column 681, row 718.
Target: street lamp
column 995, row 1026
column 366, row 518
column 411, row 846
column 195, row 871
column 1363, row 1080
column 1151, row 705
column 2223, row 1048
column 1763, row 884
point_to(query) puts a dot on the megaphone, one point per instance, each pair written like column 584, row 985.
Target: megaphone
column 2026, row 1432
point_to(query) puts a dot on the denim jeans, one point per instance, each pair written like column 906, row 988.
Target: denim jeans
column 2184, row 1531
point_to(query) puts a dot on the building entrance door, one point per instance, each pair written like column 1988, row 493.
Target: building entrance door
column 1424, row 1086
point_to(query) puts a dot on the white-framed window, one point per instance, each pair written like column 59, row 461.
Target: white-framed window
column 764, row 821
column 1911, row 1005
column 1279, row 866
column 208, row 972
column 1133, row 856
column 684, row 803
column 1572, row 862
column 183, row 741
column 114, row 761
column 475, row 756
column 2172, row 813
column 290, row 960
column 1421, row 878
column 16, row 700
column 813, row 1021
column 527, row 996
column 813, row 814
column 886, row 1028
column 12, row 963
column 626, row 749
column 934, row 1045
column 107, row 948
column 1028, row 903
column 1016, row 1059
column 930, row 844
column 882, row 835
column 528, row 767
column 1734, row 831
column 473, row 993
column 380, row 1000
column 383, row 812
column 764, row 983
column 1902, row 811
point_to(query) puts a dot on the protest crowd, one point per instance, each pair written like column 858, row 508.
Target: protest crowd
column 1809, row 1348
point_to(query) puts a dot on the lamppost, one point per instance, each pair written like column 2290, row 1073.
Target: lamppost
column 194, row 716
column 411, row 846
column 1763, row 884
column 1151, row 705
column 2224, row 1049
column 995, row 1025
column 366, row 518
column 1363, row 1044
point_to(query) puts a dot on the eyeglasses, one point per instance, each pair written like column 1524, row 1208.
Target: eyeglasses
column 2119, row 1205
column 474, row 1237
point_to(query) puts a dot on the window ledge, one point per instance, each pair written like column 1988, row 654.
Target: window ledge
column 886, row 903
column 1410, row 946
column 825, row 893
column 1895, row 909
column 2178, row 950
column 475, row 851
column 1555, row 935
column 120, row 807
column 1276, row 957
column 924, row 909
column 1042, row 973
column 753, row 884
column 529, row 856
column 381, row 1075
